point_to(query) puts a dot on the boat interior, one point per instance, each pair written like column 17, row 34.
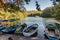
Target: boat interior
column 30, row 29
column 20, row 29
column 52, row 31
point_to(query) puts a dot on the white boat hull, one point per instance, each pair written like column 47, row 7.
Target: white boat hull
column 29, row 33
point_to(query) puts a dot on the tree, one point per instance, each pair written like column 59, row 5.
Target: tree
column 14, row 1
column 57, row 0
column 54, row 2
column 57, row 14
column 13, row 5
column 48, row 12
column 37, row 6
column 52, row 12
column 2, row 2
column 27, row 1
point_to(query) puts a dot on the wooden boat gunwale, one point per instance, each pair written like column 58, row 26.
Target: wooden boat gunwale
column 29, row 33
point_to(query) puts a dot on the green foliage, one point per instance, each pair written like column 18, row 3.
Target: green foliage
column 57, row 0
column 33, row 15
column 47, row 12
column 57, row 12
column 52, row 12
column 27, row 1
column 11, row 8
column 37, row 6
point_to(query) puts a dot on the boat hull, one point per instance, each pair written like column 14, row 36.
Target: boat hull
column 2, row 27
column 9, row 31
column 30, row 33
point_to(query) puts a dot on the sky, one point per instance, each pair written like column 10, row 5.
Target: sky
column 43, row 4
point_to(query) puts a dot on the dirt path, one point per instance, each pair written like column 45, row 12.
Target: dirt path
column 5, row 37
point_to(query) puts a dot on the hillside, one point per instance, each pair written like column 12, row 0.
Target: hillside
column 33, row 12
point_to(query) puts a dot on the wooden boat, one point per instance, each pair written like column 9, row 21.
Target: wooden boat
column 3, row 24
column 1, row 20
column 51, row 32
column 30, row 30
column 2, row 27
column 19, row 30
column 12, row 20
column 10, row 30
column 17, row 25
